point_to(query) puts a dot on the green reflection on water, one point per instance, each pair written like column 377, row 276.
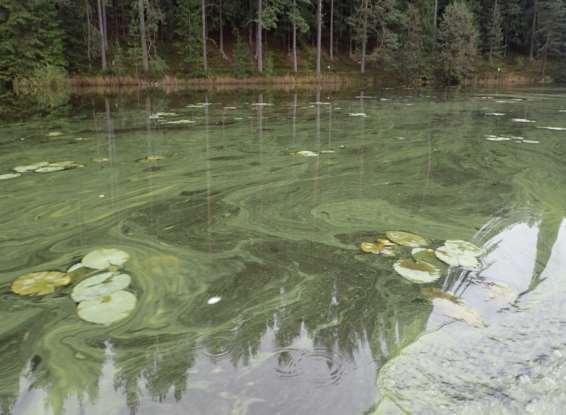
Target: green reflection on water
column 222, row 208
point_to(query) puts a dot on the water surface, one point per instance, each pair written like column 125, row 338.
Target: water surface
column 212, row 201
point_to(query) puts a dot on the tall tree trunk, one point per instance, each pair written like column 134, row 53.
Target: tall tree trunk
column 295, row 66
column 318, row 35
column 204, row 38
column 221, row 42
column 331, row 30
column 533, row 30
column 258, row 39
column 145, row 57
column 88, row 34
column 101, row 25
column 435, row 19
column 365, row 37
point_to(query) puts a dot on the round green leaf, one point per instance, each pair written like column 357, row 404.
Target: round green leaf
column 40, row 283
column 428, row 256
column 100, row 285
column 104, row 258
column 407, row 239
column 107, row 309
column 459, row 254
column 416, row 271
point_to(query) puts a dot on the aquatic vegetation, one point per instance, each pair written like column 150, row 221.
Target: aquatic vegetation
column 407, row 239
column 553, row 128
column 426, row 255
column 501, row 293
column 458, row 311
column 416, row 271
column 105, row 258
column 306, row 153
column 46, row 167
column 107, row 309
column 458, row 253
column 9, row 176
column 40, row 283
column 102, row 284
column 30, row 167
column 381, row 247
column 358, row 114
column 522, row 120
column 55, row 134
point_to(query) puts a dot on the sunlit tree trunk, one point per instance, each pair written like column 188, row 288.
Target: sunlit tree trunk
column 145, row 57
column 204, row 38
column 318, row 35
column 101, row 27
column 364, row 36
column 221, row 40
column 259, row 41
column 331, row 30
column 295, row 66
column 533, row 30
column 88, row 34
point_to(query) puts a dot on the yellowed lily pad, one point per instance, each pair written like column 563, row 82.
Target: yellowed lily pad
column 40, row 283
column 107, row 309
column 501, row 293
column 416, row 271
column 307, row 153
column 380, row 247
column 457, row 311
column 407, row 239
column 105, row 258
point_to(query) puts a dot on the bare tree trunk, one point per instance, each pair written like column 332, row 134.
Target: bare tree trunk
column 331, row 30
column 295, row 66
column 204, row 38
column 318, row 35
column 145, row 57
column 222, row 33
column 533, row 31
column 101, row 25
column 435, row 19
column 365, row 37
column 258, row 40
column 88, row 34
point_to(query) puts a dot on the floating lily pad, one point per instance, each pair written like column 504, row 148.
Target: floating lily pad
column 55, row 134
column 107, row 309
column 358, row 114
column 152, row 158
column 50, row 169
column 8, row 176
column 428, row 256
column 407, row 239
column 102, row 284
column 416, row 271
column 30, row 167
column 40, row 283
column 433, row 292
column 458, row 311
column 214, row 300
column 75, row 267
column 381, row 247
column 307, row 153
column 104, row 258
column 459, row 253
column 522, row 120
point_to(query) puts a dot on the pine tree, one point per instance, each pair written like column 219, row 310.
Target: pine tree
column 456, row 44
column 30, row 38
column 495, row 32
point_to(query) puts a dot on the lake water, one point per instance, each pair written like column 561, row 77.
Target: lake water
column 252, row 294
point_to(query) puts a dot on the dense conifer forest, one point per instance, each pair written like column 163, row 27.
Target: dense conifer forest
column 416, row 41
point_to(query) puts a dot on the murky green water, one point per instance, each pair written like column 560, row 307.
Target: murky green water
column 220, row 206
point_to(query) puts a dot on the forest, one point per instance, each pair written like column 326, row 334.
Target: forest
column 416, row 41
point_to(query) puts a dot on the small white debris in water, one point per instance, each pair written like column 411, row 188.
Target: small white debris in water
column 358, row 114
column 261, row 104
column 523, row 120
column 230, row 108
column 531, row 141
column 214, row 300
column 54, row 134
column 327, row 152
column 180, row 122
column 101, row 196
column 495, row 114
column 307, row 153
column 553, row 128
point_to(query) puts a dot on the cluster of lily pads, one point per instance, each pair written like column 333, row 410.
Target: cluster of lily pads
column 425, row 264
column 40, row 167
column 100, row 291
